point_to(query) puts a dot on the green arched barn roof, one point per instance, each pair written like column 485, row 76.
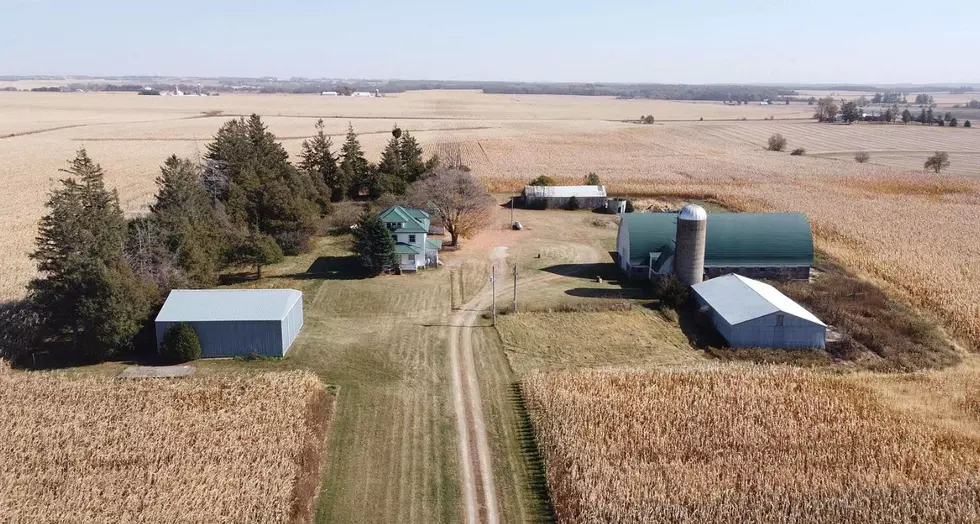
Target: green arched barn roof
column 732, row 239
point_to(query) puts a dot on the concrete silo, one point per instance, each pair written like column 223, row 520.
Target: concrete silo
column 692, row 223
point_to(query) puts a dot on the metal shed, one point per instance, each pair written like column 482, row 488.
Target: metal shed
column 557, row 197
column 764, row 245
column 749, row 313
column 235, row 322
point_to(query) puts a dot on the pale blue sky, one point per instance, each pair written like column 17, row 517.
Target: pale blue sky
column 709, row 41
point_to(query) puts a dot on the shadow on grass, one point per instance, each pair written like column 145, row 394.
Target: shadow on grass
column 60, row 355
column 606, row 270
column 625, row 293
column 538, row 480
column 331, row 268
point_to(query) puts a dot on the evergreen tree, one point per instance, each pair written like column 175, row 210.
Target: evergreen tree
column 922, row 116
column 188, row 224
column 256, row 250
column 354, row 167
column 930, row 116
column 373, row 244
column 391, row 169
column 906, row 116
column 264, row 193
column 85, row 283
column 592, row 179
column 318, row 160
column 181, row 344
column 411, row 156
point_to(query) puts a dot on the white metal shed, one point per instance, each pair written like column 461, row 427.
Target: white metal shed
column 749, row 313
column 235, row 322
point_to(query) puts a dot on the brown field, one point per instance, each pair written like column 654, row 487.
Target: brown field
column 755, row 444
column 214, row 449
column 927, row 255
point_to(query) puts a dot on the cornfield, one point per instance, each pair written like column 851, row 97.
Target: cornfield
column 218, row 449
column 744, row 444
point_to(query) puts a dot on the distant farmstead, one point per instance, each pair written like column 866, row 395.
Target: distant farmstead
column 235, row 322
column 751, row 314
column 759, row 245
column 557, row 197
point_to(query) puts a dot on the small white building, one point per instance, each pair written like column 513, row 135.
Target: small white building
column 751, row 314
column 329, row 93
column 362, row 94
column 556, row 197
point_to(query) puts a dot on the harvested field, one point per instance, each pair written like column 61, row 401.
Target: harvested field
column 746, row 444
column 226, row 448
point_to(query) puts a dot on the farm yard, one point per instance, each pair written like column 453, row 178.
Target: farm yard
column 213, row 449
column 392, row 346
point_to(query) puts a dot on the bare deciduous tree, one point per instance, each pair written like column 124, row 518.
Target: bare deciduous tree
column 458, row 199
column 450, row 155
column 938, row 161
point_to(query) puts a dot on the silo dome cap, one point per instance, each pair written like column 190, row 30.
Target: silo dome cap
column 692, row 212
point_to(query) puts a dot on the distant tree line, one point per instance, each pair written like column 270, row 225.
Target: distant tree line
column 244, row 204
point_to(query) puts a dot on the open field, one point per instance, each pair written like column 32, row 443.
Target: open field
column 747, row 444
column 222, row 448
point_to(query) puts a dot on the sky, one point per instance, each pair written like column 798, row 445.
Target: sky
column 678, row 41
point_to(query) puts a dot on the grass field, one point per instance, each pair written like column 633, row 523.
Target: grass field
column 743, row 444
column 224, row 448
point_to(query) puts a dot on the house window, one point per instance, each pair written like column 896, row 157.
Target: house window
column 779, row 320
column 411, row 258
column 411, row 239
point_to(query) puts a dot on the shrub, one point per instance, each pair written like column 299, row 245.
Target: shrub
column 629, row 206
column 777, row 142
column 572, row 204
column 343, row 217
column 543, row 180
column 180, row 343
column 953, row 122
column 648, row 119
column 862, row 157
column 592, row 179
column 967, row 124
column 798, row 152
column 671, row 292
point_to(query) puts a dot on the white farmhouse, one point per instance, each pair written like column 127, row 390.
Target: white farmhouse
column 410, row 231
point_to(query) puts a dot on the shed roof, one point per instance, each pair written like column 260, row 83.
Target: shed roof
column 204, row 305
column 731, row 239
column 739, row 299
column 564, row 191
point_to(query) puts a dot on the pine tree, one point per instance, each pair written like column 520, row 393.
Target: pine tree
column 256, row 250
column 390, row 168
column 353, row 165
column 922, row 116
column 318, row 160
column 592, row 179
column 373, row 244
column 411, row 156
column 906, row 116
column 85, row 283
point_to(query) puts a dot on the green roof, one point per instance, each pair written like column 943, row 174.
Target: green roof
column 402, row 248
column 433, row 243
column 731, row 239
column 414, row 220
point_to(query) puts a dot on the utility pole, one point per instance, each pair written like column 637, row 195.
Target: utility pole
column 515, row 288
column 493, row 293
column 512, row 199
column 452, row 296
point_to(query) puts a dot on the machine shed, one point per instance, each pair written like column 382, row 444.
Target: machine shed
column 749, row 313
column 235, row 322
column 557, row 197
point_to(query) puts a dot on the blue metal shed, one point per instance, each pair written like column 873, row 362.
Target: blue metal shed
column 235, row 322
column 749, row 313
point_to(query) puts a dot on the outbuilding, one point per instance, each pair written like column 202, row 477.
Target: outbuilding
column 235, row 322
column 761, row 245
column 557, row 197
column 750, row 314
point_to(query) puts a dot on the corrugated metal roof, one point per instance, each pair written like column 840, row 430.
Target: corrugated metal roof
column 739, row 299
column 402, row 248
column 414, row 220
column 197, row 305
column 564, row 191
column 731, row 239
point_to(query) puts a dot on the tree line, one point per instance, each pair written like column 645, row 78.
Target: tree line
column 101, row 276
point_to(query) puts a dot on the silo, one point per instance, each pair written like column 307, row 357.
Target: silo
column 692, row 223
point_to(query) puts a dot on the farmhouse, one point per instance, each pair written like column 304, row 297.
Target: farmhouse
column 235, row 322
column 557, row 197
column 748, row 313
column 760, row 245
column 410, row 230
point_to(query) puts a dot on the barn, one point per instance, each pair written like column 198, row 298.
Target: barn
column 235, row 322
column 751, row 314
column 557, row 197
column 759, row 245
